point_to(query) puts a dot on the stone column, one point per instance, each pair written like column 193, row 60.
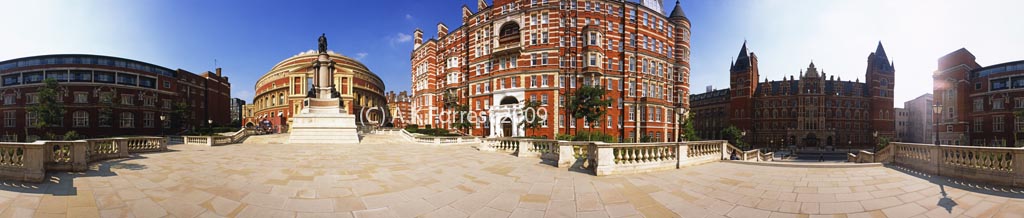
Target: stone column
column 566, row 155
column 682, row 151
column 525, row 147
column 79, row 158
column 1018, row 168
column 605, row 160
column 122, row 147
column 34, row 160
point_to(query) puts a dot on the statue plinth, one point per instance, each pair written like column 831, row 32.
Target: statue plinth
column 323, row 120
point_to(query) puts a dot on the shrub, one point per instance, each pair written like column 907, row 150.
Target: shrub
column 564, row 137
column 72, row 135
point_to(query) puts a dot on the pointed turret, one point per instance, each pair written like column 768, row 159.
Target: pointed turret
column 677, row 12
column 880, row 52
column 742, row 60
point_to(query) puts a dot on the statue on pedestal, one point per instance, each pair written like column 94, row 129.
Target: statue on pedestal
column 323, row 43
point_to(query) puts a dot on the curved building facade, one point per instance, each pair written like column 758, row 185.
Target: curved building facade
column 281, row 91
column 108, row 96
column 513, row 52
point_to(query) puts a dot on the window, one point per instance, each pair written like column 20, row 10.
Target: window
column 979, row 105
column 997, row 104
column 632, row 115
column 978, row 125
column 81, row 97
column 544, row 79
column 997, row 123
column 544, row 99
column 127, row 120
column 126, row 99
column 8, row 99
column 151, row 101
column 1019, row 124
column 81, row 119
column 32, row 98
column 30, row 119
column 9, row 119
column 147, row 120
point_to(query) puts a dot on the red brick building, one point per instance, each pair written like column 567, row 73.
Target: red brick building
column 814, row 110
column 141, row 93
column 512, row 52
column 978, row 103
column 399, row 108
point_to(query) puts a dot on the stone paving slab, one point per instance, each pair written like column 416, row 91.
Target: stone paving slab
column 386, row 177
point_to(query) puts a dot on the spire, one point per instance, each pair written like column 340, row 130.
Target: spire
column 812, row 65
column 880, row 52
column 742, row 60
column 677, row 11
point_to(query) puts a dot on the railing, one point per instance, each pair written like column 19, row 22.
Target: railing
column 236, row 137
column 29, row 161
column 995, row 165
column 617, row 158
column 435, row 140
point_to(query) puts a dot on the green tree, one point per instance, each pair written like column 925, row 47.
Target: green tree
column 735, row 136
column 461, row 119
column 179, row 116
column 48, row 112
column 530, row 120
column 108, row 102
column 689, row 133
column 882, row 142
column 588, row 103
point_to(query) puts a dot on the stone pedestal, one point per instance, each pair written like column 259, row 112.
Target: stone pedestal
column 323, row 122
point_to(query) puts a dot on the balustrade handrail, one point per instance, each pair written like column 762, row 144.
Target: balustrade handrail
column 30, row 161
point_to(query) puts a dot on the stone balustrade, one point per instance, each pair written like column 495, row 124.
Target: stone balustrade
column 992, row 165
column 236, row 137
column 434, row 140
column 29, row 161
column 618, row 158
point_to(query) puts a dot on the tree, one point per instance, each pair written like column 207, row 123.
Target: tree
column 688, row 131
column 530, row 119
column 48, row 112
column 882, row 142
column 588, row 103
column 179, row 114
column 461, row 119
column 734, row 135
column 108, row 102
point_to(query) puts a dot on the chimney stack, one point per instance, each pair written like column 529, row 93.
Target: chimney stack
column 218, row 72
column 417, row 39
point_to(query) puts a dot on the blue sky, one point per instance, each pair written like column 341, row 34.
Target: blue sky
column 248, row 37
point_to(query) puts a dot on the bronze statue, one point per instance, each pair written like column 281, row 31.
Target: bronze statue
column 312, row 92
column 323, row 43
column 334, row 92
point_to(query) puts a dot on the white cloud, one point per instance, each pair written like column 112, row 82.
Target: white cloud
column 408, row 16
column 361, row 55
column 400, row 38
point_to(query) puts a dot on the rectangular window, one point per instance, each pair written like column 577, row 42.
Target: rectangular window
column 148, row 120
column 997, row 123
column 979, row 105
column 997, row 104
column 544, row 99
column 544, row 81
column 9, row 119
column 544, row 58
column 30, row 119
column 81, row 119
column 32, row 98
column 81, row 97
column 126, row 100
column 9, row 99
column 127, row 120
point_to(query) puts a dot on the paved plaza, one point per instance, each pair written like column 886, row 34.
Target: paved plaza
column 388, row 177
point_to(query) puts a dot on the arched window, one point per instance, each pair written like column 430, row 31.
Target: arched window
column 280, row 99
column 81, row 119
column 127, row 120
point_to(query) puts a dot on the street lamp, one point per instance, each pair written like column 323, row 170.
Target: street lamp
column 683, row 114
column 210, row 125
column 163, row 123
column 874, row 150
column 938, row 162
column 743, row 134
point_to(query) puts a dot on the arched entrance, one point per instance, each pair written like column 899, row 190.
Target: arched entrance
column 506, row 127
column 811, row 140
column 509, row 100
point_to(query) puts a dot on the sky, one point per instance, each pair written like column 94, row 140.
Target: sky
column 247, row 38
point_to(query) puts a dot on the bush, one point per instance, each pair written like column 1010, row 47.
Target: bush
column 564, row 137
column 72, row 135
column 414, row 126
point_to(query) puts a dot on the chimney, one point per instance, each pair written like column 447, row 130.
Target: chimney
column 218, row 72
column 417, row 39
column 442, row 30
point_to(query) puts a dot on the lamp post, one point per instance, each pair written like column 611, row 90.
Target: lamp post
column 683, row 114
column 874, row 150
column 163, row 121
column 938, row 162
column 209, row 124
column 743, row 134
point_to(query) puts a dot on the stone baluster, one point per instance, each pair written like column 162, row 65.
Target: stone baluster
column 682, row 153
column 1017, row 167
column 525, row 149
column 34, row 160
